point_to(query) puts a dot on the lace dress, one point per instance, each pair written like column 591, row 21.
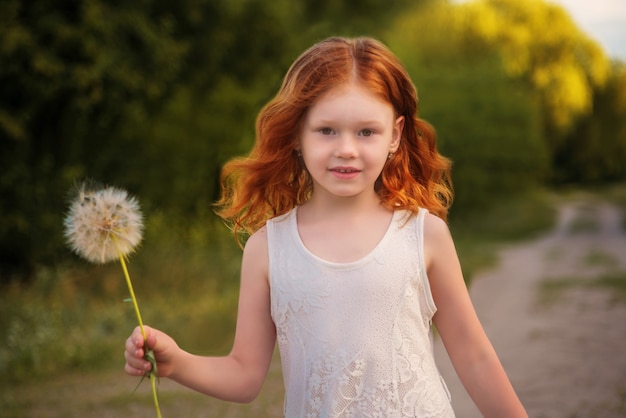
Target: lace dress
column 355, row 339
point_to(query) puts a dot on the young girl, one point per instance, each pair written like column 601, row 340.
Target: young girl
column 350, row 260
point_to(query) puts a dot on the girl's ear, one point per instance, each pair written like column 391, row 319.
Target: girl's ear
column 297, row 148
column 396, row 134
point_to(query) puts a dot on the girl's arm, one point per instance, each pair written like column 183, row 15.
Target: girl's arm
column 470, row 351
column 237, row 377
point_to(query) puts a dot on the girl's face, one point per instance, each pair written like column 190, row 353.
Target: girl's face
column 346, row 138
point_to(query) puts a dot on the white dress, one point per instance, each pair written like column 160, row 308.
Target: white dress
column 355, row 339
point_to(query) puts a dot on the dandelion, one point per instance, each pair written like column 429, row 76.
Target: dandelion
column 105, row 224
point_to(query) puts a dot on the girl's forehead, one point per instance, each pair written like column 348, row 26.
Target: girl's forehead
column 350, row 102
column 351, row 90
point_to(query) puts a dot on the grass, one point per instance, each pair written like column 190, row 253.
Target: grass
column 553, row 288
column 597, row 258
column 612, row 279
column 110, row 393
column 614, row 193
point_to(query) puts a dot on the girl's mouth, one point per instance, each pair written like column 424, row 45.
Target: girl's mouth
column 345, row 172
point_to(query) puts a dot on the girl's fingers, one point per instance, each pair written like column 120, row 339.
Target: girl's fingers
column 135, row 363
column 135, row 371
column 134, row 352
column 134, row 346
column 133, row 356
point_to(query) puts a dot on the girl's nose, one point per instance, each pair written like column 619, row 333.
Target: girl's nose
column 346, row 147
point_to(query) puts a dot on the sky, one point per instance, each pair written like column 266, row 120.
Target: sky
column 602, row 20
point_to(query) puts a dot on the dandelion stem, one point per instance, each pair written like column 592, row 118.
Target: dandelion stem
column 132, row 295
column 143, row 332
column 154, row 394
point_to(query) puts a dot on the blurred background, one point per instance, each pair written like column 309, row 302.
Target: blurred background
column 528, row 98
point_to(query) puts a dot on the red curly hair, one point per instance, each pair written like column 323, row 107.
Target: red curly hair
column 272, row 179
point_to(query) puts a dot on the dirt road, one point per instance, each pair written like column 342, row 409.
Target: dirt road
column 555, row 310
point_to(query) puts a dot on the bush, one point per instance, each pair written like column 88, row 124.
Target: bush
column 488, row 126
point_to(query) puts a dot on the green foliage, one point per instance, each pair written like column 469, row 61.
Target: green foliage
column 72, row 74
column 539, row 43
column 49, row 327
column 487, row 124
column 580, row 96
column 491, row 132
column 594, row 151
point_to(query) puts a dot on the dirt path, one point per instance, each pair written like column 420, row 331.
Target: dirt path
column 555, row 320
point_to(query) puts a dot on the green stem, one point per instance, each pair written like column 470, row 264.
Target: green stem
column 132, row 295
column 154, row 394
column 143, row 332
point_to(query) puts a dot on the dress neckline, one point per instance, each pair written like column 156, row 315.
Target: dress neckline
column 293, row 226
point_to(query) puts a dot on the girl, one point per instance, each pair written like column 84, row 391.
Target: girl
column 350, row 260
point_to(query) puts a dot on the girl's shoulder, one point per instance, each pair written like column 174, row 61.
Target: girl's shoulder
column 438, row 243
column 257, row 242
column 436, row 229
column 433, row 224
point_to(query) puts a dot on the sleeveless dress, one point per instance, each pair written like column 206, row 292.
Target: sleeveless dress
column 355, row 339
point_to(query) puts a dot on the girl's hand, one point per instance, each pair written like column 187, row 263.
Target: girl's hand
column 162, row 345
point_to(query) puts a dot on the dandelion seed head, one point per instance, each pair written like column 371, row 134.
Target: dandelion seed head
column 102, row 223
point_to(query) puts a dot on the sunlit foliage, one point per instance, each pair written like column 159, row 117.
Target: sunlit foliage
column 538, row 41
column 578, row 93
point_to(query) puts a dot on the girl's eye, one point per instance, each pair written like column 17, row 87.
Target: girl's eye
column 367, row 132
column 326, row 131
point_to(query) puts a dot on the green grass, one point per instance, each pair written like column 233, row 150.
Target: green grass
column 74, row 317
column 597, row 258
column 554, row 288
column 613, row 279
column 102, row 394
column 614, row 193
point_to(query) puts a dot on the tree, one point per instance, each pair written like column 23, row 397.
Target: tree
column 539, row 42
column 487, row 123
column 72, row 73
column 595, row 149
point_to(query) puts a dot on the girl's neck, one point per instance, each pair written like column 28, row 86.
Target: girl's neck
column 342, row 230
column 329, row 207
